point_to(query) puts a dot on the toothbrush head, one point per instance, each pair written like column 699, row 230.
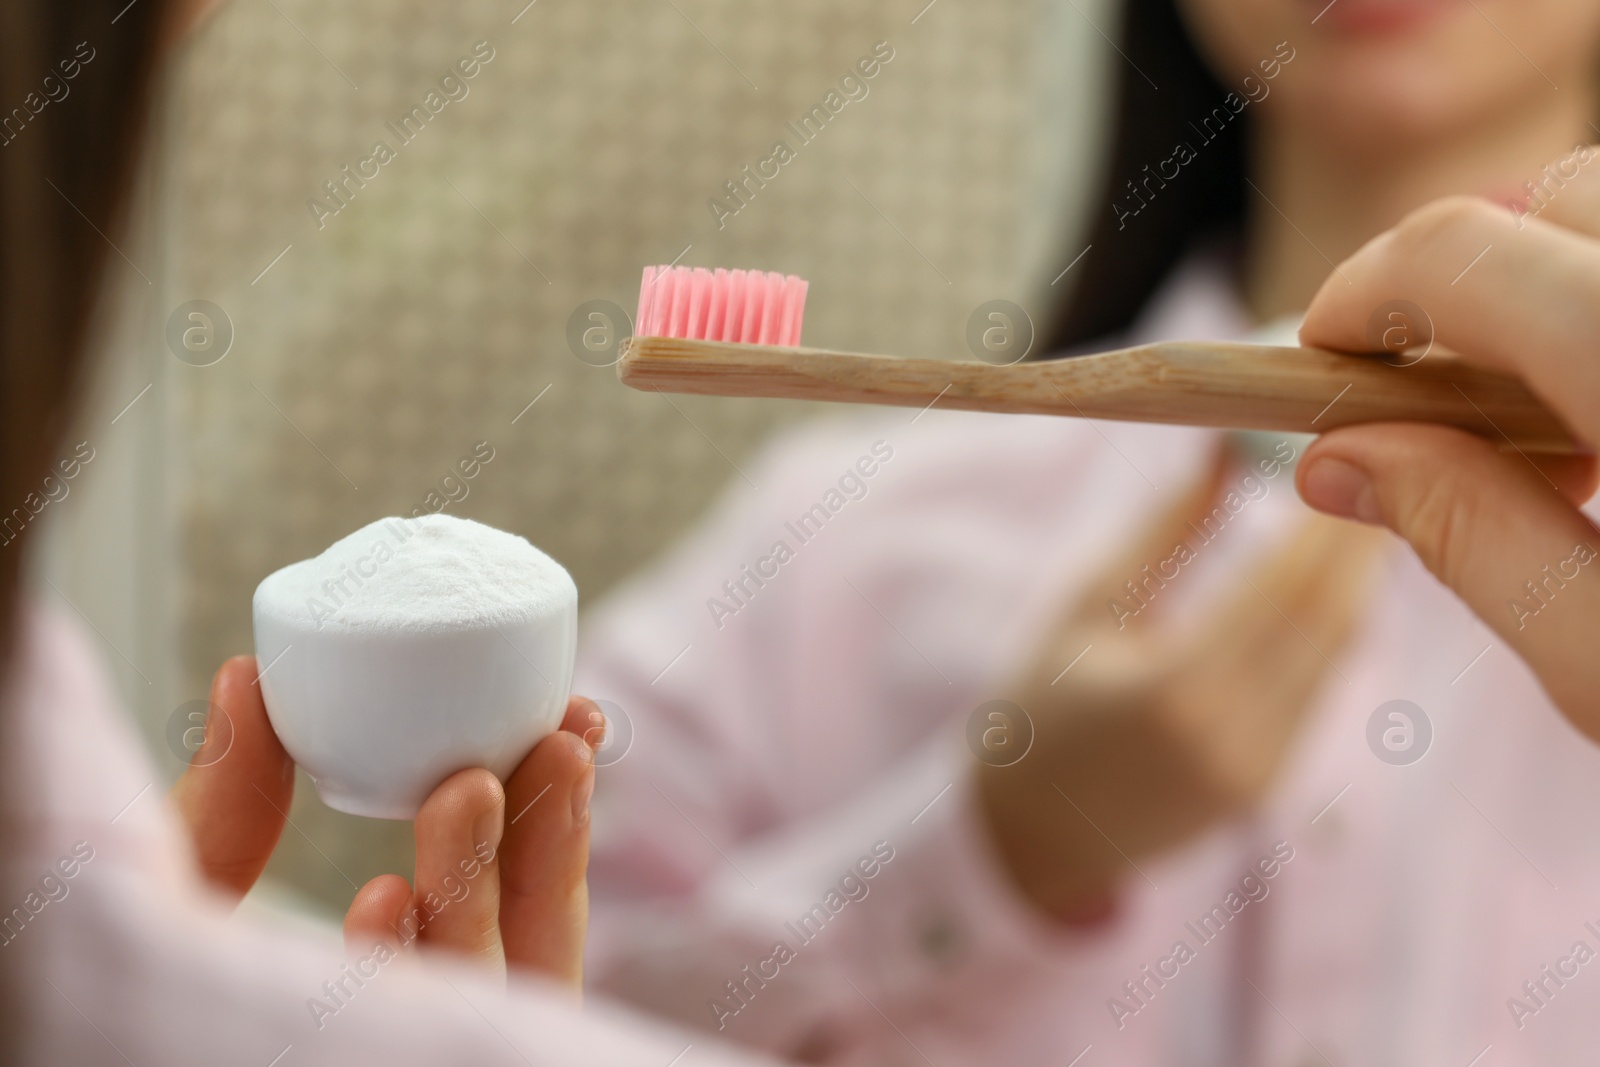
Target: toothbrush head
column 748, row 307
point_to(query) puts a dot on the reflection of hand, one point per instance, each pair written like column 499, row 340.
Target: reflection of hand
column 501, row 888
column 1160, row 731
column 1500, row 528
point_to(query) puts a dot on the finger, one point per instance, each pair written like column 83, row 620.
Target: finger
column 1173, row 524
column 1487, row 525
column 236, row 793
column 1523, row 301
column 380, row 914
column 545, row 858
column 458, row 834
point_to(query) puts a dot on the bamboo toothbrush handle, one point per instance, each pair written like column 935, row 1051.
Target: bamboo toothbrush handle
column 1236, row 386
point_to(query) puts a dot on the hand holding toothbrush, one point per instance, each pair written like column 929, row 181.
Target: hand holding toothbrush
column 1501, row 528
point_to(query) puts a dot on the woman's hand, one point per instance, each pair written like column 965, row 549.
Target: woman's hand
column 1500, row 528
column 500, row 871
column 1161, row 731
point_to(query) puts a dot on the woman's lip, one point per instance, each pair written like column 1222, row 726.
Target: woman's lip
column 1381, row 16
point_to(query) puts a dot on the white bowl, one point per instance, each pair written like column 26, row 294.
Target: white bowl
column 380, row 715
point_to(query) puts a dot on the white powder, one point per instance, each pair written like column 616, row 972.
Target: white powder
column 423, row 575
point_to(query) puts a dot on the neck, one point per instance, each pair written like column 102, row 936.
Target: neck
column 1320, row 199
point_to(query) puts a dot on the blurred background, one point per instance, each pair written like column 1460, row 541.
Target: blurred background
column 368, row 350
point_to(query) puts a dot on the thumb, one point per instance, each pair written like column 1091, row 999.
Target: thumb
column 235, row 796
column 457, row 898
column 1502, row 531
column 545, row 908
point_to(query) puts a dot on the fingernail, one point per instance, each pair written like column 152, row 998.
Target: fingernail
column 580, row 798
column 595, row 735
column 1338, row 487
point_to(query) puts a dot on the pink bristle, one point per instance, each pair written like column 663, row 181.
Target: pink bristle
column 646, row 293
column 777, row 308
column 748, row 307
column 710, row 285
column 782, row 302
column 755, row 307
column 719, row 305
column 699, row 303
column 794, row 304
column 691, row 303
column 661, row 303
column 679, row 323
column 772, row 310
column 677, row 306
column 802, row 291
column 666, row 288
column 763, row 330
column 737, row 303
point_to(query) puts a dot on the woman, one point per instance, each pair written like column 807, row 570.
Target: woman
column 118, row 945
column 120, row 953
column 1280, row 695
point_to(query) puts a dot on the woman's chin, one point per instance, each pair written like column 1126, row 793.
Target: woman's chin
column 1384, row 102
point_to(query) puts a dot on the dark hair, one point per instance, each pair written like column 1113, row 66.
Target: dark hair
column 1164, row 88
column 73, row 83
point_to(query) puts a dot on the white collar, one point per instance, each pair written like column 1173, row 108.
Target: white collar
column 1198, row 301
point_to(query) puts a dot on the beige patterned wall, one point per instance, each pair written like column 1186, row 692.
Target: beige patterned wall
column 426, row 314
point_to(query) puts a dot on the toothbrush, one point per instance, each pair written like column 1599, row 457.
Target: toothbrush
column 737, row 333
